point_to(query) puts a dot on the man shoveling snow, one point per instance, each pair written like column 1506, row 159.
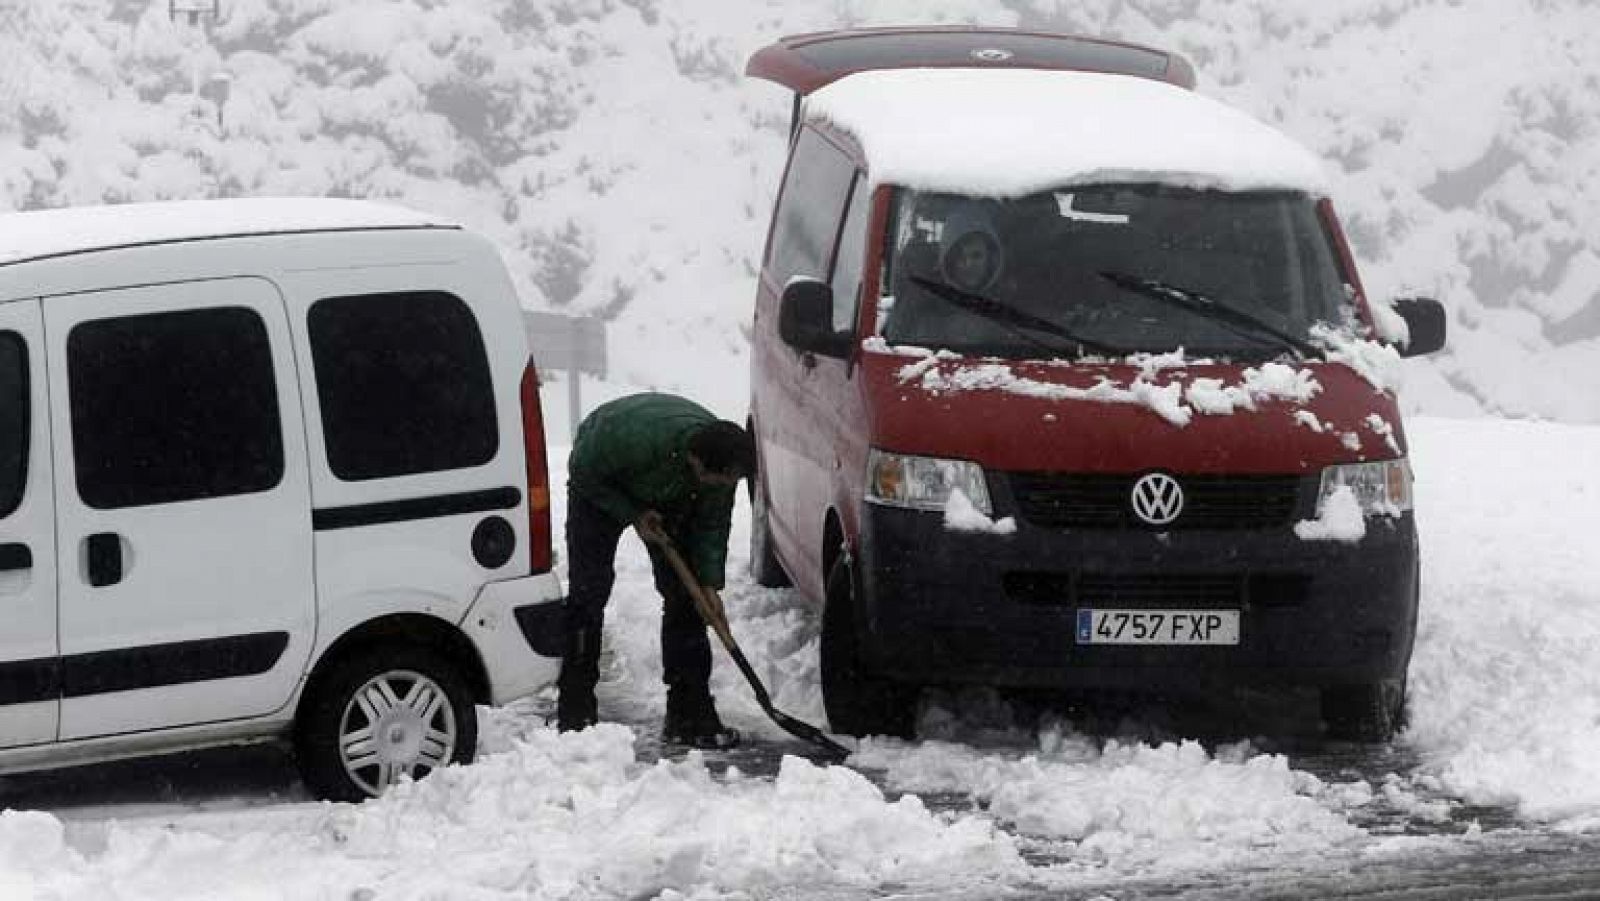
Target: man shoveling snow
column 667, row 467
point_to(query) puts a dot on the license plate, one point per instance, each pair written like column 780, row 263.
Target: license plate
column 1163, row 627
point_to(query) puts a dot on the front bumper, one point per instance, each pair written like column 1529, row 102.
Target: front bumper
column 941, row 607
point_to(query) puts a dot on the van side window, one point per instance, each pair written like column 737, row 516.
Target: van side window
column 850, row 256
column 174, row 406
column 807, row 220
column 14, row 422
column 403, row 383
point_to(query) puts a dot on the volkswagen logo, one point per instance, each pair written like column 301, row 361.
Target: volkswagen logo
column 1157, row 498
column 992, row 55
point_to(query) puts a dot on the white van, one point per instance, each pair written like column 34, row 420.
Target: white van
column 269, row 469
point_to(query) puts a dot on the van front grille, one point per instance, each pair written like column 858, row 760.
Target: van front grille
column 1070, row 501
column 1157, row 590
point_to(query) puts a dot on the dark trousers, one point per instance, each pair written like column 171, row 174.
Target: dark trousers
column 591, row 553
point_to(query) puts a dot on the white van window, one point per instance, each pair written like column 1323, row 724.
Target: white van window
column 14, row 423
column 174, row 406
column 403, row 383
column 806, row 223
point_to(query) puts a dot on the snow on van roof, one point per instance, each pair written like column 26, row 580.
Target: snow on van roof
column 46, row 233
column 1006, row 133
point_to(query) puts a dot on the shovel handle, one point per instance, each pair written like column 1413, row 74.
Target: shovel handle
column 708, row 611
column 718, row 622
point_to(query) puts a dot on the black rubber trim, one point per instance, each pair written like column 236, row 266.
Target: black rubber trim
column 544, row 626
column 178, row 663
column 14, row 557
column 330, row 518
column 30, row 681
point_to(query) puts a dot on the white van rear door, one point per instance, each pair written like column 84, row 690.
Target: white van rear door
column 184, row 519
column 29, row 673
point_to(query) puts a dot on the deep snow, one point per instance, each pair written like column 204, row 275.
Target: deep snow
column 1504, row 712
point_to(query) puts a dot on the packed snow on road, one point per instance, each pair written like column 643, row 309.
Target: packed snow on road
column 1503, row 744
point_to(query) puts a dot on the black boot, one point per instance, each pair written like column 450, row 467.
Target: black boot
column 576, row 707
column 692, row 721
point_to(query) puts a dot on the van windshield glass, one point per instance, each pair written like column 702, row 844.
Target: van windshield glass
column 1135, row 268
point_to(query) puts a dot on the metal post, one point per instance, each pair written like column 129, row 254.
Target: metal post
column 572, row 345
column 574, row 409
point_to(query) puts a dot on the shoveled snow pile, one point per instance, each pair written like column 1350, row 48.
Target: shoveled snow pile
column 553, row 817
column 1135, row 806
column 1505, row 684
column 1011, row 132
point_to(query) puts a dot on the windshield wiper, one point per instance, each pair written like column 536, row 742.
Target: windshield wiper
column 1240, row 322
column 1014, row 319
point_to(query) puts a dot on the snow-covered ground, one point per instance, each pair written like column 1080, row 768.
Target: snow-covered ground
column 1505, row 729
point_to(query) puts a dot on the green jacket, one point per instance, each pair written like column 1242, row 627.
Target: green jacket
column 631, row 455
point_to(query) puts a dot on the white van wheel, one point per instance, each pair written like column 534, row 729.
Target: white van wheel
column 382, row 715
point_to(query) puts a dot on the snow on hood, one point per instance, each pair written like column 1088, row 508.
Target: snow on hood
column 1172, row 400
column 1008, row 133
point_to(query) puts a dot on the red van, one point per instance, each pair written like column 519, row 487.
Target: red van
column 1063, row 377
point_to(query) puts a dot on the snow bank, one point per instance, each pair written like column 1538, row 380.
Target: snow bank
column 1135, row 807
column 1011, row 132
column 553, row 817
column 1505, row 683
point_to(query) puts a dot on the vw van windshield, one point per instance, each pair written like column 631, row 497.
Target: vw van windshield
column 1134, row 268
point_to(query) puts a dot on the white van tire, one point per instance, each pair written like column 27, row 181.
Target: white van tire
column 381, row 713
column 857, row 703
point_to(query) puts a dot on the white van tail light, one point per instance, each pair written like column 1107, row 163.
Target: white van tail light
column 539, row 549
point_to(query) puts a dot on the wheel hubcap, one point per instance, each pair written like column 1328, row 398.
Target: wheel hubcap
column 398, row 724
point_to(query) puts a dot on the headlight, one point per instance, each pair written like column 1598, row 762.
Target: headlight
column 924, row 483
column 1381, row 487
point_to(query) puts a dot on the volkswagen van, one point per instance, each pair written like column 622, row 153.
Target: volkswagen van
column 1063, row 377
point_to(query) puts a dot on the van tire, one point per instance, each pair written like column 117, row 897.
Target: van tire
column 764, row 565
column 857, row 702
column 1370, row 713
column 332, row 711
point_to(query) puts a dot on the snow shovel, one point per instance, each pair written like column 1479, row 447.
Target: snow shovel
column 719, row 624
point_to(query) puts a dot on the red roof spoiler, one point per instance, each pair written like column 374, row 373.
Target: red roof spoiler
column 805, row 62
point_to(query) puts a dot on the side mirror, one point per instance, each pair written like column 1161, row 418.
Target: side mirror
column 1425, row 320
column 805, row 320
